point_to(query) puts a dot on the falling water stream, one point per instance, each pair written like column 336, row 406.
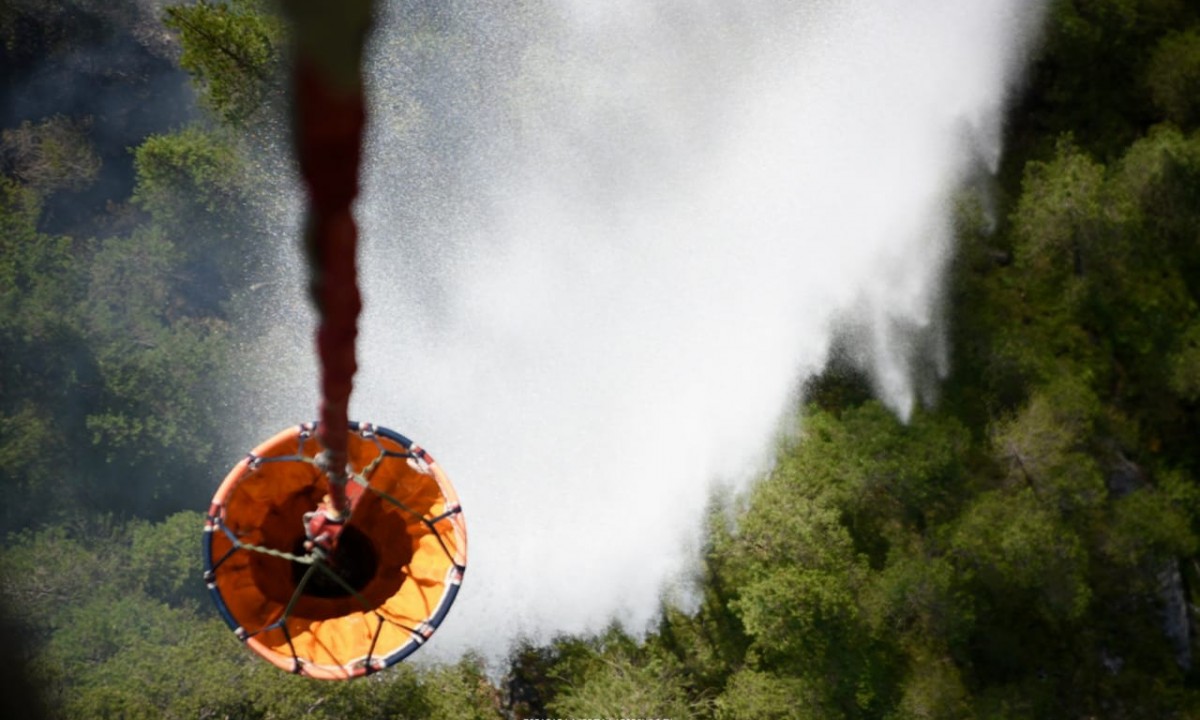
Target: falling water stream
column 605, row 243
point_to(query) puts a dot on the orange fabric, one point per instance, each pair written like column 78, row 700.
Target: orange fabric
column 263, row 504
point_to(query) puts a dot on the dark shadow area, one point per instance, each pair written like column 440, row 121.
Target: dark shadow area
column 20, row 696
column 354, row 560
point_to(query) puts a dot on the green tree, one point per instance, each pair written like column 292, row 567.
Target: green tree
column 153, row 422
column 164, row 560
column 232, row 49
column 1023, row 555
column 609, row 675
column 192, row 183
column 461, row 690
column 934, row 689
column 841, row 503
column 756, row 695
column 1045, row 446
column 52, row 155
column 46, row 360
column 1174, row 77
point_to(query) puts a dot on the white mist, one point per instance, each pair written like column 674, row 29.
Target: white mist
column 604, row 243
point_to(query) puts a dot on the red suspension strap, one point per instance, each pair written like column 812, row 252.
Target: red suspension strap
column 329, row 113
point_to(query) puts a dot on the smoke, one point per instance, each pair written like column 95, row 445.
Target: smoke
column 605, row 243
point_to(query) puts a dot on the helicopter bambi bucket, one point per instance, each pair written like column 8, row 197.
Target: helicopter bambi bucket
column 335, row 548
column 383, row 589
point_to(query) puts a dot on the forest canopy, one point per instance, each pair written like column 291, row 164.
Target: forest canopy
column 1028, row 546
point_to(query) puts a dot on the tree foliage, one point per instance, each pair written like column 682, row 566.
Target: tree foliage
column 52, row 155
column 233, row 49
